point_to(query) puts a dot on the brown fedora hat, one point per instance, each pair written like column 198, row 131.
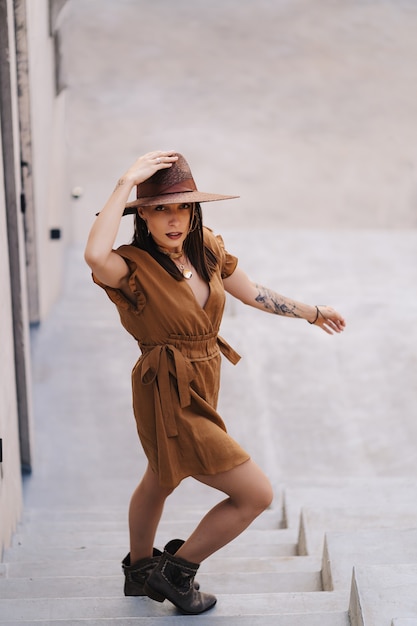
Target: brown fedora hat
column 171, row 185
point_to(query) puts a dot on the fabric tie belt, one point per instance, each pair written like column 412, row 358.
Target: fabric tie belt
column 161, row 362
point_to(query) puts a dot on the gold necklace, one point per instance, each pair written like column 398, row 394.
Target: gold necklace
column 187, row 273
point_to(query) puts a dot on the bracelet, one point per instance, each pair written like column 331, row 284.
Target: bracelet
column 317, row 315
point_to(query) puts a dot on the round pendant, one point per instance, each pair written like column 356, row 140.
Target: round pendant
column 187, row 273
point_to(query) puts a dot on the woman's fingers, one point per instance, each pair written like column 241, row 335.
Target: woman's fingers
column 160, row 156
column 330, row 320
column 146, row 165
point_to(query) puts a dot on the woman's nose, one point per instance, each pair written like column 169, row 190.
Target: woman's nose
column 174, row 217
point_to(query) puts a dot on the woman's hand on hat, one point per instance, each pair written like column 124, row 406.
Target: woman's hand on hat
column 148, row 164
column 329, row 319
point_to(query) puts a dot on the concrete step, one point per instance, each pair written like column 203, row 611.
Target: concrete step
column 315, row 522
column 343, row 551
column 105, row 546
column 47, row 527
column 386, row 494
column 108, row 551
column 112, row 586
column 81, row 537
column 293, row 609
column 404, row 621
column 384, row 594
column 116, row 518
column 316, row 619
column 40, row 569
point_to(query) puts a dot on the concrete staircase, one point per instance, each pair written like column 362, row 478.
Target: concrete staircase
column 64, row 567
column 293, row 567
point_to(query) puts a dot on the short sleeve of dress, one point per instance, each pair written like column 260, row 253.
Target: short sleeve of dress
column 228, row 262
column 116, row 295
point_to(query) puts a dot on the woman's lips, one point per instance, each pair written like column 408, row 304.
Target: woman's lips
column 174, row 235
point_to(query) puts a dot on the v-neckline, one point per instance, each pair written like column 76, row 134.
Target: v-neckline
column 191, row 291
column 188, row 288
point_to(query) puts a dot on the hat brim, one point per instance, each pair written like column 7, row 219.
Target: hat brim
column 174, row 198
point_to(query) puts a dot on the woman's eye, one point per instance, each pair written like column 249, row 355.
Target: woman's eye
column 186, row 206
column 160, row 207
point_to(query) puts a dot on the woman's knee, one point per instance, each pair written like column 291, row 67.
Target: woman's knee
column 256, row 493
column 268, row 494
column 262, row 495
column 247, row 486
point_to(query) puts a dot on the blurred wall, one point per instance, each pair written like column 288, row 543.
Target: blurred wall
column 33, row 224
column 10, row 481
column 305, row 109
column 49, row 148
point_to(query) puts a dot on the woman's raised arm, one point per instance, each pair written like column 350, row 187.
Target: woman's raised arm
column 106, row 265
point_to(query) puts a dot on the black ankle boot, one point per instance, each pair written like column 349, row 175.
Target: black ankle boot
column 137, row 574
column 173, row 578
column 172, row 547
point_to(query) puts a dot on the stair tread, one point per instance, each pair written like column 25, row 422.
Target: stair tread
column 316, row 619
column 215, row 564
column 344, row 550
column 117, row 552
column 228, row 605
column 165, row 533
column 386, row 591
column 315, row 522
column 388, row 494
column 112, row 586
column 271, row 518
column 43, row 525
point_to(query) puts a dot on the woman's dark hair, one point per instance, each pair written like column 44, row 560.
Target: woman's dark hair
column 201, row 257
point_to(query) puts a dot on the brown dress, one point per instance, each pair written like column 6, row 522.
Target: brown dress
column 176, row 380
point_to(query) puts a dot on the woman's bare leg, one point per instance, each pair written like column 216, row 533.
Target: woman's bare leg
column 145, row 511
column 249, row 492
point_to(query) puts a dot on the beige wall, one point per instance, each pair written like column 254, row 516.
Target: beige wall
column 10, row 481
column 43, row 139
column 49, row 145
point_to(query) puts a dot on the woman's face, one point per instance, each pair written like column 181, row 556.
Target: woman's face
column 168, row 224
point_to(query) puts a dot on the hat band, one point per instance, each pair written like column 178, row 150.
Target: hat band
column 148, row 190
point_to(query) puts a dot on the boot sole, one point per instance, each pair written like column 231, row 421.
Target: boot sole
column 199, row 612
column 136, row 592
column 155, row 595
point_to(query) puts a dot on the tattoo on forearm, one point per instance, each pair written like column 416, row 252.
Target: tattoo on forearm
column 119, row 183
column 274, row 303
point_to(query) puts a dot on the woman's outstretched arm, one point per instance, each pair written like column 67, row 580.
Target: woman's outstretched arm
column 241, row 287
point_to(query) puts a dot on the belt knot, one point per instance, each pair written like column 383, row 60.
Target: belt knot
column 159, row 366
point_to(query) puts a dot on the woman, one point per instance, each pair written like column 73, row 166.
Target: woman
column 169, row 287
